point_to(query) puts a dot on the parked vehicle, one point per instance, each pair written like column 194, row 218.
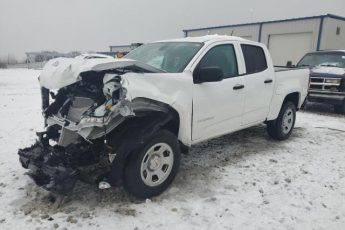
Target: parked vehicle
column 126, row 121
column 327, row 79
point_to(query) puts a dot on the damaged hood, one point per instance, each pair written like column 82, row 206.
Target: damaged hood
column 61, row 72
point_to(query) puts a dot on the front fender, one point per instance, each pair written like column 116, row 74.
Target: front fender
column 174, row 90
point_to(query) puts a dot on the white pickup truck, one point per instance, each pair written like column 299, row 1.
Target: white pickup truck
column 126, row 121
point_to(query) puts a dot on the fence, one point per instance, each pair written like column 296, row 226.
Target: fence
column 35, row 65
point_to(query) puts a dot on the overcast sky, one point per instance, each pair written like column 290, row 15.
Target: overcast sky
column 85, row 25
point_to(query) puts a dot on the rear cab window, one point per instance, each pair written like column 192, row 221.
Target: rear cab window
column 254, row 58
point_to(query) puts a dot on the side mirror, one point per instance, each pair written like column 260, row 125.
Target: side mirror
column 208, row 74
column 289, row 64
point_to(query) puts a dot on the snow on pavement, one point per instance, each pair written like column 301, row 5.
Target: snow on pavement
column 240, row 181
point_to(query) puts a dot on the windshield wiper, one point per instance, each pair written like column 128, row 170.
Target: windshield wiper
column 328, row 65
column 304, row 65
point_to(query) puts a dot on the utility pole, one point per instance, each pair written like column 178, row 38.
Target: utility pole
column 251, row 14
column 251, row 21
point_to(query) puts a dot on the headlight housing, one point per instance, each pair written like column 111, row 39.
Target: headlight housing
column 333, row 81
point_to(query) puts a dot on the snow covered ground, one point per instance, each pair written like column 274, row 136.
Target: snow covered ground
column 240, row 181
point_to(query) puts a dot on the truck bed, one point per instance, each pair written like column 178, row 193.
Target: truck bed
column 286, row 68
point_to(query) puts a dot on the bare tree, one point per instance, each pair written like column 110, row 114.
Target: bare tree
column 11, row 59
column 3, row 64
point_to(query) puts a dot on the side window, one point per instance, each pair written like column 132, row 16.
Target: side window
column 222, row 56
column 255, row 59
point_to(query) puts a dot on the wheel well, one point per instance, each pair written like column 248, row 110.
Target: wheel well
column 292, row 97
column 152, row 107
column 173, row 125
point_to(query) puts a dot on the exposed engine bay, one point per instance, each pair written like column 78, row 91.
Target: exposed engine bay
column 88, row 119
column 87, row 108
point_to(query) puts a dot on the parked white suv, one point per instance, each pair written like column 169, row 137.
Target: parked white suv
column 126, row 121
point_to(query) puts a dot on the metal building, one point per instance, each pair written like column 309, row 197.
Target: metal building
column 124, row 49
column 289, row 39
column 120, row 48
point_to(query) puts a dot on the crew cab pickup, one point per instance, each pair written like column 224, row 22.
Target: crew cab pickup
column 327, row 77
column 126, row 121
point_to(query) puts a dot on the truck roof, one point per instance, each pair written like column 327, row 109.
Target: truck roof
column 206, row 38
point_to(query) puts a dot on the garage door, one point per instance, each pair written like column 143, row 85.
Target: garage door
column 289, row 47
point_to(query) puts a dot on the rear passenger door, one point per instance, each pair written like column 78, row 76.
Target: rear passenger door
column 259, row 80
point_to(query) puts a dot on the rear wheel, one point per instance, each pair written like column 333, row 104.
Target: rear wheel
column 340, row 108
column 150, row 171
column 281, row 128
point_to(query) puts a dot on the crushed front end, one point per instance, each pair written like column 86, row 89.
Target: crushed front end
column 85, row 107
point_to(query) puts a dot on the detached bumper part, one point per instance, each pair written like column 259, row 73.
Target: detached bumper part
column 47, row 168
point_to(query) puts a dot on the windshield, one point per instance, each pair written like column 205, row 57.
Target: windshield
column 171, row 57
column 333, row 59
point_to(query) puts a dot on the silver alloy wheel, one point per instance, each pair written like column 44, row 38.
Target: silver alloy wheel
column 157, row 164
column 288, row 120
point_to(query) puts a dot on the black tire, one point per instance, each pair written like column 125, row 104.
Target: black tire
column 276, row 129
column 340, row 108
column 133, row 180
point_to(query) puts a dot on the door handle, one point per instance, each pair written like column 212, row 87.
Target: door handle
column 267, row 81
column 237, row 87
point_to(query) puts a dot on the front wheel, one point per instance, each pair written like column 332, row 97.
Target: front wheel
column 150, row 171
column 281, row 128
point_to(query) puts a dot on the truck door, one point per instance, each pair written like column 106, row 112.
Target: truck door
column 259, row 80
column 218, row 106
